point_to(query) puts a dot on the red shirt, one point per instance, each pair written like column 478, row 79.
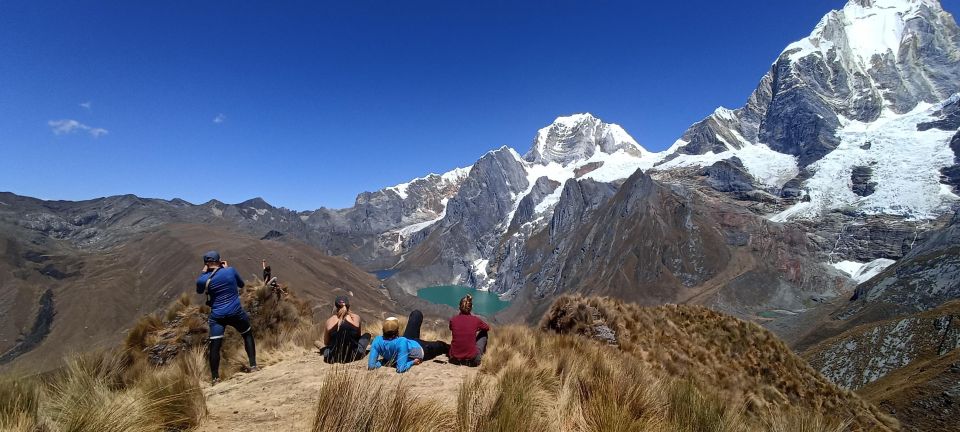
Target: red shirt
column 464, row 328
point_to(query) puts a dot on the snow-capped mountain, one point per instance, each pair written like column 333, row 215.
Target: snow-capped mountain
column 851, row 123
column 846, row 102
column 578, row 137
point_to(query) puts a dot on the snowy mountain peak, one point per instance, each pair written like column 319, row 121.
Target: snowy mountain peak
column 452, row 177
column 574, row 120
column 863, row 28
column 902, row 4
column 577, row 137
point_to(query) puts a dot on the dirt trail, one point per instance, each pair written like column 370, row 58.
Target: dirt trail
column 283, row 396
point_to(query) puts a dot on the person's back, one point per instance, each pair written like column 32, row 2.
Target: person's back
column 342, row 341
column 223, row 290
column 405, row 351
column 468, row 335
column 398, row 351
column 345, row 343
column 222, row 285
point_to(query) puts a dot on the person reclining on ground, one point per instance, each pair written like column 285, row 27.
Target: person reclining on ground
column 469, row 340
column 342, row 341
column 404, row 351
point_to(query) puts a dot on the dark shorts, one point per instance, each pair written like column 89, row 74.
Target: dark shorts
column 239, row 321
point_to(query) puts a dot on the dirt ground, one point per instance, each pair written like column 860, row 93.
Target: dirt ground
column 283, row 395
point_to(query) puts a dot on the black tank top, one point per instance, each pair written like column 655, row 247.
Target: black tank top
column 345, row 339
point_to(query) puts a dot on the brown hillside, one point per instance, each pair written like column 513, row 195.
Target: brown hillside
column 907, row 365
column 740, row 360
column 97, row 296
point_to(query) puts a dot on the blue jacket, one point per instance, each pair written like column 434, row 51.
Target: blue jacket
column 224, row 290
column 393, row 351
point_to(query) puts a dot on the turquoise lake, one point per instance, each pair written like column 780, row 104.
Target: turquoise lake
column 484, row 303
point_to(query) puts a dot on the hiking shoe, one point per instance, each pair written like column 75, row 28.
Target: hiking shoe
column 214, row 382
column 251, row 369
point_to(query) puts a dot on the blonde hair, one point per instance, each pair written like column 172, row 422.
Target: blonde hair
column 391, row 327
column 466, row 304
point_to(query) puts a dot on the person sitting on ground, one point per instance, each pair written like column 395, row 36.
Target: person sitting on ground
column 405, row 351
column 469, row 340
column 222, row 285
column 342, row 341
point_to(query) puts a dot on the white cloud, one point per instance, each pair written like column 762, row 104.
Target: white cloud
column 86, row 105
column 98, row 132
column 220, row 118
column 68, row 126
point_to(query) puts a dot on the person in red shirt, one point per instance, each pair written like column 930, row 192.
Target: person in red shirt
column 469, row 336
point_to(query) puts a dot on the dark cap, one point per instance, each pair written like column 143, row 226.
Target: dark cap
column 212, row 256
column 342, row 301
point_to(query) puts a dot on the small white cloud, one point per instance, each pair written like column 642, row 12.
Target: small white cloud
column 68, row 126
column 86, row 105
column 220, row 118
column 98, row 132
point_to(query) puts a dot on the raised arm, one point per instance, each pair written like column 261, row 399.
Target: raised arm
column 327, row 326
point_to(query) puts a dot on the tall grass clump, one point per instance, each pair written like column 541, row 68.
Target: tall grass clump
column 359, row 401
column 19, row 404
column 97, row 392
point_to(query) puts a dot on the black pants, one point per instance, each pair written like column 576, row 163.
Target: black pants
column 431, row 349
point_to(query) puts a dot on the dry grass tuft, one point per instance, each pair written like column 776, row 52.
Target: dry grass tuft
column 19, row 404
column 374, row 405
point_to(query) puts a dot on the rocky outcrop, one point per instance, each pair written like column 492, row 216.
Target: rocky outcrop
column 860, row 182
column 728, row 176
column 951, row 175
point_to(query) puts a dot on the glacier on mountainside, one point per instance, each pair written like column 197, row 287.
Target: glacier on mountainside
column 905, row 162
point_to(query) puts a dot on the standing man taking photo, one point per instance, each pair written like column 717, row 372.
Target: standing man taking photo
column 222, row 284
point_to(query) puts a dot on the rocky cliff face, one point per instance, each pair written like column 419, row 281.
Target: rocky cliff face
column 898, row 334
column 868, row 353
column 926, row 277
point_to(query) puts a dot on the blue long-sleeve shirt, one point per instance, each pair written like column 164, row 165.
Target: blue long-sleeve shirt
column 224, row 290
column 394, row 351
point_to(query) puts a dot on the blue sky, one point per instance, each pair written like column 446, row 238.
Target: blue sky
column 308, row 103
